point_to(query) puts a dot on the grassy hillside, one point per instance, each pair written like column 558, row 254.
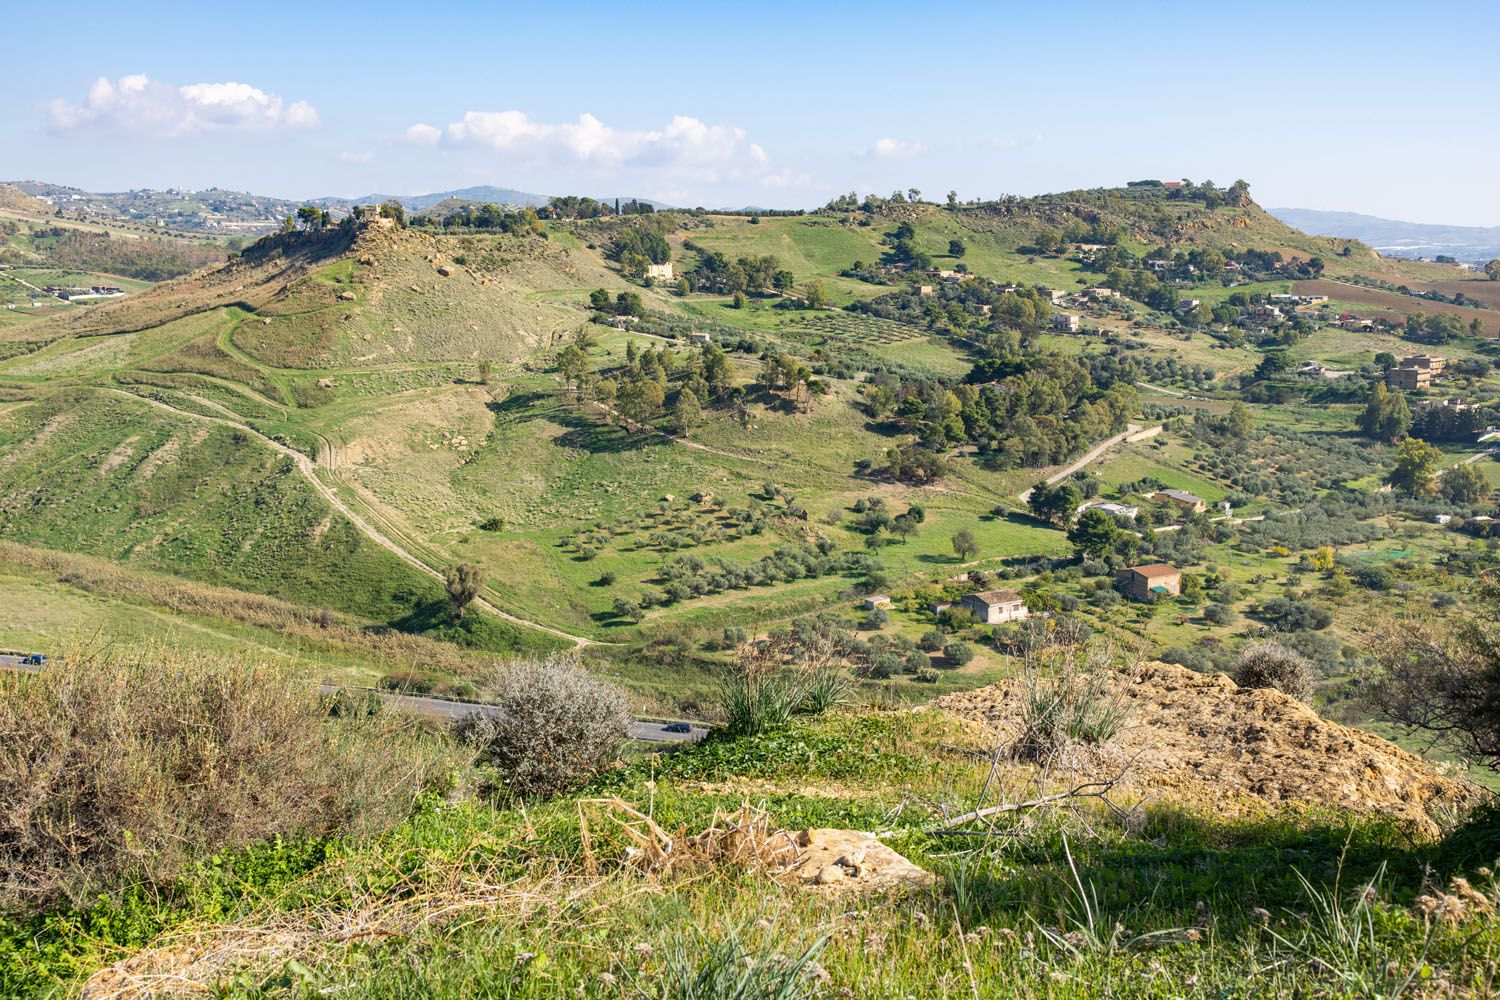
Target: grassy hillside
column 346, row 395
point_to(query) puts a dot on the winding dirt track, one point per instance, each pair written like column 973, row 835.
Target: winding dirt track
column 309, row 470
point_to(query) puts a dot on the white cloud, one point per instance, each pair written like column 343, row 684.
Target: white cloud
column 420, row 135
column 350, row 156
column 684, row 148
column 139, row 105
column 893, row 149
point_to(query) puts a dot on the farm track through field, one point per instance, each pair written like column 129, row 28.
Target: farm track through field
column 309, row 470
column 1092, row 455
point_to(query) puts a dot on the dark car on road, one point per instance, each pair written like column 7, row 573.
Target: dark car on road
column 677, row 727
column 34, row 660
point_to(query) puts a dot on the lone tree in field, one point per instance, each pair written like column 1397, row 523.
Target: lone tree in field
column 964, row 545
column 463, row 583
column 1416, row 464
column 686, row 412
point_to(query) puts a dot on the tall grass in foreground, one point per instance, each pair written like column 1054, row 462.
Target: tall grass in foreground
column 1067, row 701
column 783, row 675
column 129, row 764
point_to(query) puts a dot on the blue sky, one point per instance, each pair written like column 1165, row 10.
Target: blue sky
column 1385, row 108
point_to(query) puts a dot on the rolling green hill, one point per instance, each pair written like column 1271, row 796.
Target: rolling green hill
column 335, row 417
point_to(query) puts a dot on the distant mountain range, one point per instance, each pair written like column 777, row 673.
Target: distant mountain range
column 422, row 202
column 1398, row 239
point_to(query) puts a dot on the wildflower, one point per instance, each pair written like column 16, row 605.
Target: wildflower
column 1192, row 934
column 607, row 978
column 644, row 950
column 524, row 958
column 1261, row 914
column 817, row 973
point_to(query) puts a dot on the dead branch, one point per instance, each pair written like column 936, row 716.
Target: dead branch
column 1098, row 790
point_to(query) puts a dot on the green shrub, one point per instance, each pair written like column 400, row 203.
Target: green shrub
column 958, row 653
column 1073, row 705
column 408, row 682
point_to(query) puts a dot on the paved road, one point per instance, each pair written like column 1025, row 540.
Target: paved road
column 645, row 730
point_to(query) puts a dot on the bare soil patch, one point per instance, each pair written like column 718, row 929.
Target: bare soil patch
column 1198, row 738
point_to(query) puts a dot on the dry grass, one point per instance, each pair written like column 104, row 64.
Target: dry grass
column 118, row 766
column 194, row 962
column 745, row 839
column 320, row 625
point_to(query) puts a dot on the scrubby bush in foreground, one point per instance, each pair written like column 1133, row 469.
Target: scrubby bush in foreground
column 1271, row 665
column 130, row 765
column 1444, row 680
column 554, row 726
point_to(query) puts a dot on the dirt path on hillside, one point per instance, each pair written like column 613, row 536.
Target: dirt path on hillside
column 308, row 468
column 1092, row 455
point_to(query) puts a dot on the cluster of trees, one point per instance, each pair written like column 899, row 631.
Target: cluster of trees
column 308, row 218
column 521, row 222
column 1288, row 466
column 654, row 383
column 688, row 576
column 783, row 375
column 1415, row 474
column 717, row 273
column 1211, row 195
column 875, row 520
column 572, row 206
column 1116, row 365
column 1435, row 421
column 1440, row 328
column 148, row 259
column 1028, row 411
column 622, row 304
column 1339, row 519
column 637, row 248
column 970, row 308
column 903, row 248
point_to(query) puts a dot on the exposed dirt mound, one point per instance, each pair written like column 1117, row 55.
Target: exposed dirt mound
column 1199, row 737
